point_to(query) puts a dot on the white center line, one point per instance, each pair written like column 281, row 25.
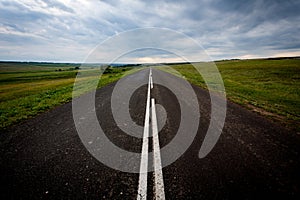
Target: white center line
column 142, row 189
column 158, row 176
column 151, row 82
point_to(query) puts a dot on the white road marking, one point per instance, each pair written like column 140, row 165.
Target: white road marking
column 142, row 189
column 158, row 176
column 151, row 82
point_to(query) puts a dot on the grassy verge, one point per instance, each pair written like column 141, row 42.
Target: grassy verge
column 269, row 87
column 30, row 88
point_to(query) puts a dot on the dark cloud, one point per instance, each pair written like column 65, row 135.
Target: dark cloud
column 225, row 28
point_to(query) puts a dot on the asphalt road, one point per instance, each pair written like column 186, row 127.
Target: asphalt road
column 44, row 157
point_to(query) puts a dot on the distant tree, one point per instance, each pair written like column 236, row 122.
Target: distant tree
column 108, row 70
column 76, row 68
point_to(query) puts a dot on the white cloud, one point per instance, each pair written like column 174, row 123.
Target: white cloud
column 68, row 29
column 286, row 54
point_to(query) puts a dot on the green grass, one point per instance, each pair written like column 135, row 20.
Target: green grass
column 270, row 87
column 31, row 88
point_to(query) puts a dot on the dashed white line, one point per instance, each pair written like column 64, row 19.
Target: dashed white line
column 142, row 189
column 151, row 82
column 158, row 175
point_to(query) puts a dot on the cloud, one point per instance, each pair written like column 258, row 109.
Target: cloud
column 67, row 30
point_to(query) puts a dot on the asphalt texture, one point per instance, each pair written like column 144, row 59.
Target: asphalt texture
column 254, row 158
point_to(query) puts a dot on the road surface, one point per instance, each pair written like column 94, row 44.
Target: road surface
column 44, row 158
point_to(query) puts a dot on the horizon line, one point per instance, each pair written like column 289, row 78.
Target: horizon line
column 142, row 63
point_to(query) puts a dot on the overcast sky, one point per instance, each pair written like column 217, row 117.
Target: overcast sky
column 67, row 30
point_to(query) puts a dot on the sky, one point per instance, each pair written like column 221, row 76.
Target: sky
column 69, row 30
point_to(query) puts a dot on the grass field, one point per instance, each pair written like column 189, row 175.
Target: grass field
column 268, row 86
column 27, row 89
